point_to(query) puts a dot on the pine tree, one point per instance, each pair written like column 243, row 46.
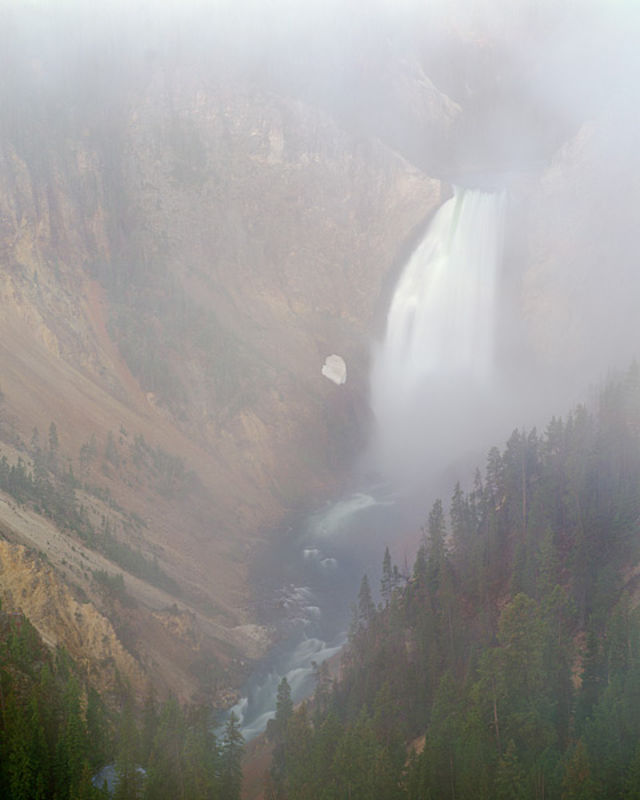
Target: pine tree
column 72, row 751
column 460, row 521
column 231, row 760
column 323, row 684
column 510, row 776
column 97, row 730
column 284, row 707
column 632, row 782
column 82, row 788
column 201, row 758
column 387, row 582
column 166, row 780
column 277, row 731
column 437, row 550
column 366, row 607
column 129, row 784
column 52, row 455
column 577, row 783
column 592, row 678
column 494, row 477
column 299, row 756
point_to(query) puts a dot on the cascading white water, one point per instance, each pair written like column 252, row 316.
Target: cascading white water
column 439, row 344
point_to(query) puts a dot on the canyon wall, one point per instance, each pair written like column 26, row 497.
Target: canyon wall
column 171, row 287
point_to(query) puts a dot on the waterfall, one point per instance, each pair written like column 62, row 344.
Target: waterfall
column 437, row 357
column 434, row 367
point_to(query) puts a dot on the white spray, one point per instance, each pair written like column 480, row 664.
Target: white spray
column 437, row 359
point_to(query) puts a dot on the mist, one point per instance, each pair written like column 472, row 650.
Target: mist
column 534, row 102
column 538, row 97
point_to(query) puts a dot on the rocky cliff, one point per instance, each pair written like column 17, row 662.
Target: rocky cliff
column 175, row 268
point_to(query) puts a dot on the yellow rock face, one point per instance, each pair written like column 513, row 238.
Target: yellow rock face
column 29, row 585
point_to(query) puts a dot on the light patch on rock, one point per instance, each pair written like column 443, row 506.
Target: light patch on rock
column 335, row 369
column 254, row 640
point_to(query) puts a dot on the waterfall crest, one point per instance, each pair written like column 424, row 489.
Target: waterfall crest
column 438, row 353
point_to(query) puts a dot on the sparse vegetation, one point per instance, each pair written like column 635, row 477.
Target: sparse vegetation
column 134, row 561
column 113, row 584
column 54, row 498
column 167, row 471
column 88, row 452
column 54, row 495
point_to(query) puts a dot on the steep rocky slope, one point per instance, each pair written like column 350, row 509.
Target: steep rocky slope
column 171, row 284
column 30, row 586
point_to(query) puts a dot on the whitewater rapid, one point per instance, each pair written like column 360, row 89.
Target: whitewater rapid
column 320, row 567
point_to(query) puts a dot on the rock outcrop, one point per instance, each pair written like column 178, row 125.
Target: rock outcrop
column 29, row 585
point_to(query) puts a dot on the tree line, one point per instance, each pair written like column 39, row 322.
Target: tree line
column 507, row 663
column 57, row 733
